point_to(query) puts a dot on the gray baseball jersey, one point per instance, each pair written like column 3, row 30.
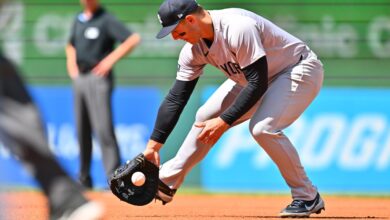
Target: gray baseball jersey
column 241, row 37
column 295, row 77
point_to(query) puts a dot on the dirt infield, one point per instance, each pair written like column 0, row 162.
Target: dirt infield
column 32, row 205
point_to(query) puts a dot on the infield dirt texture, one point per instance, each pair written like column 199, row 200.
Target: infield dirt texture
column 32, row 205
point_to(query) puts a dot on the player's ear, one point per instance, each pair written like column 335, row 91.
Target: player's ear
column 190, row 19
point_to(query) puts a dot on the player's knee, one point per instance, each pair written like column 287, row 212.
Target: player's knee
column 261, row 129
column 202, row 114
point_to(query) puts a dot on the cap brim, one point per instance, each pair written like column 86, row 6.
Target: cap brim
column 166, row 30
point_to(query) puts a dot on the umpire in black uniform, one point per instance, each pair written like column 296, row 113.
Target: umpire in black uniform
column 90, row 58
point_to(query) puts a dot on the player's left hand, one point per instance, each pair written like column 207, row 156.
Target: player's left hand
column 152, row 155
column 151, row 152
column 212, row 130
column 103, row 67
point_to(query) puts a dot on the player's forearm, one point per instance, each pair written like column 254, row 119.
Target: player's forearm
column 71, row 63
column 171, row 109
column 167, row 117
column 152, row 144
column 72, row 68
column 123, row 49
column 257, row 77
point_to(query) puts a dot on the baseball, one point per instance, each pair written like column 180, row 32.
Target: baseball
column 138, row 178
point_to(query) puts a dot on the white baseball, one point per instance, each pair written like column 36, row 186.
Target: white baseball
column 138, row 178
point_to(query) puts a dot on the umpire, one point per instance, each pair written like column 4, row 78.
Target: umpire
column 90, row 57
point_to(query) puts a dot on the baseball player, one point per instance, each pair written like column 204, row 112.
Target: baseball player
column 272, row 78
column 22, row 132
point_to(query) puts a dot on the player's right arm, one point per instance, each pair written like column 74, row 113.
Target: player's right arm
column 190, row 67
column 71, row 63
column 151, row 151
column 167, row 117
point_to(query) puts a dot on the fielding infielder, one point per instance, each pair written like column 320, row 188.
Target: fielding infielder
column 272, row 78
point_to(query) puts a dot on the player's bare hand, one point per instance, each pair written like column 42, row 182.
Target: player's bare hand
column 74, row 75
column 212, row 130
column 151, row 152
column 152, row 155
column 102, row 68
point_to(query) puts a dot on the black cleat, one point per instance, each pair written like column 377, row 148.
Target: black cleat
column 159, row 198
column 86, row 211
column 303, row 209
column 164, row 193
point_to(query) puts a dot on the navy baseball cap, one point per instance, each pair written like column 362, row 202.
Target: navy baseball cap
column 171, row 12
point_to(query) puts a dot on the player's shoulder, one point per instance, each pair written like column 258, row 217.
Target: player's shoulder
column 235, row 18
column 234, row 15
column 108, row 16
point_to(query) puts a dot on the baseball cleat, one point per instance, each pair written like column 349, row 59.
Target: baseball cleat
column 164, row 193
column 302, row 208
column 87, row 211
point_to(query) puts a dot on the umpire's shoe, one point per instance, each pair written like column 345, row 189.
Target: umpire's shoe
column 164, row 193
column 302, row 208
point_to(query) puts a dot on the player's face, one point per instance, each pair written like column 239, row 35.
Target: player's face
column 187, row 31
column 89, row 3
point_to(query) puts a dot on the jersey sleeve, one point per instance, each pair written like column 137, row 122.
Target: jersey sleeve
column 244, row 41
column 190, row 64
column 72, row 33
column 117, row 30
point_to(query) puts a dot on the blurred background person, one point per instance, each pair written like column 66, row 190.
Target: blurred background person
column 90, row 58
column 22, row 132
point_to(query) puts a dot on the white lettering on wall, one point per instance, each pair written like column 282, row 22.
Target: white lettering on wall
column 384, row 156
column 377, row 30
column 237, row 142
column 131, row 138
column 322, row 140
column 327, row 37
column 358, row 143
column 362, row 141
column 50, row 37
column 11, row 30
column 4, row 153
column 63, row 142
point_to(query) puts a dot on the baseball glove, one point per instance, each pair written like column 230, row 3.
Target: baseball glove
column 122, row 186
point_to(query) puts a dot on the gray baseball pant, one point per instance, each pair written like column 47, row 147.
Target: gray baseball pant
column 21, row 131
column 92, row 95
column 288, row 95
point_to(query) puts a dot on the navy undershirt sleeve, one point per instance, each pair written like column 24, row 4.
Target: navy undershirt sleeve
column 257, row 76
column 171, row 108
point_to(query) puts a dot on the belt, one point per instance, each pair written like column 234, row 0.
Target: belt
column 85, row 67
column 85, row 70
